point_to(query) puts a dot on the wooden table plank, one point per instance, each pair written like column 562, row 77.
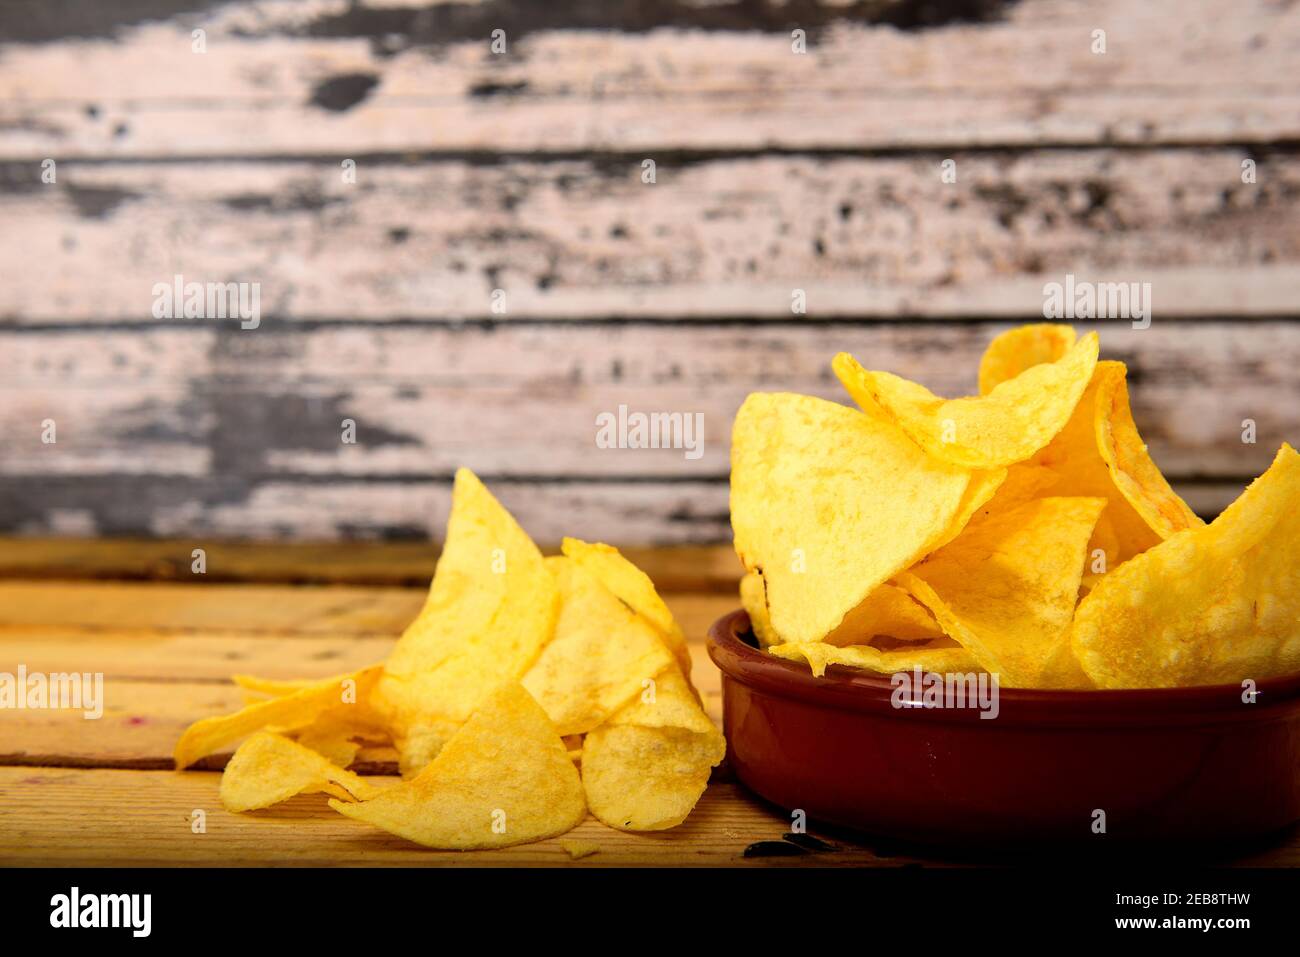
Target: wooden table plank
column 237, row 478
column 28, row 608
column 1174, row 71
column 142, row 818
column 97, row 792
column 263, row 609
column 688, row 568
column 187, row 655
column 142, row 721
column 166, row 652
column 864, row 237
column 65, row 817
column 427, row 399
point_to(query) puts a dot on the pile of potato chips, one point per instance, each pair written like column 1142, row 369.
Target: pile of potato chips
column 526, row 692
column 1025, row 532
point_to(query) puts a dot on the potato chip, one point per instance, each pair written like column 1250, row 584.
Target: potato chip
column 665, row 702
column 645, row 768
column 1100, row 454
column 601, row 654
column 889, row 610
column 577, row 850
column 259, row 689
column 1025, row 481
column 294, row 710
column 503, row 778
column 269, row 768
column 338, row 746
column 1006, row 589
column 1215, row 604
column 1016, row 419
column 334, row 732
column 491, row 608
column 1135, row 475
column 753, row 598
column 983, row 488
column 983, row 484
column 1018, row 349
column 634, row 588
column 819, row 655
column 828, row 503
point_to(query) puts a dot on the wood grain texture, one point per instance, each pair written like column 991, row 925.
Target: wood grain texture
column 65, row 817
column 521, row 172
column 166, row 652
column 694, row 568
column 72, row 817
column 97, row 793
column 655, row 77
column 102, row 608
column 523, row 402
column 188, row 432
column 862, row 237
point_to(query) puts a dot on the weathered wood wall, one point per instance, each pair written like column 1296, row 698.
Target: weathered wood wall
column 523, row 172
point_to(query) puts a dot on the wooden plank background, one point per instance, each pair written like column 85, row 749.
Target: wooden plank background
column 521, row 172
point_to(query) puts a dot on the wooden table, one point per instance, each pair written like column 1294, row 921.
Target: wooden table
column 102, row 792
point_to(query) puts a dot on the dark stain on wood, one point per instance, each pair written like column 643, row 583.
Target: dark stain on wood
column 340, row 93
column 92, row 202
column 490, row 88
column 302, row 200
column 774, row 849
column 439, row 24
column 44, row 21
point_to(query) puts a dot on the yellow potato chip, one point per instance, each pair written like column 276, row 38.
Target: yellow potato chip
column 889, row 610
column 577, row 850
column 333, row 732
column 1135, row 475
column 491, row 608
column 294, row 710
column 1209, row 605
column 753, row 598
column 503, row 778
column 819, row 655
column 634, row 588
column 1006, row 589
column 334, row 736
column 1024, row 481
column 829, row 503
column 983, row 488
column 600, row 656
column 645, row 768
column 665, row 702
column 1018, row 349
column 268, row 768
column 1011, row 423
column 259, row 689
column 646, row 779
column 1100, row 454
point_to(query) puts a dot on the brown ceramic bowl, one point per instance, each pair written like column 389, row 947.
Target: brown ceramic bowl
column 1165, row 765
